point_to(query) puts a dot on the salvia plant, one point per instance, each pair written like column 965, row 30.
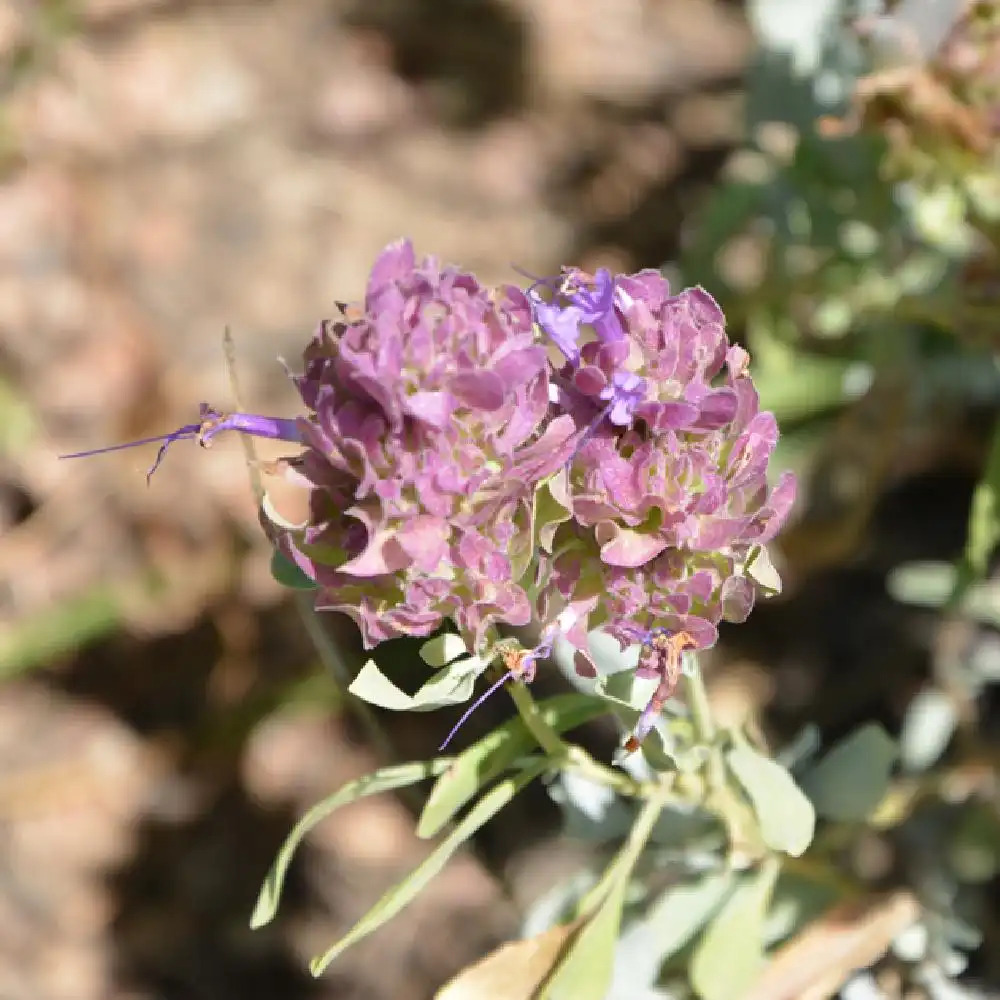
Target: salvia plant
column 508, row 470
column 576, row 474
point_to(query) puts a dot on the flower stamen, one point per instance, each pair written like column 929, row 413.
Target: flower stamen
column 520, row 664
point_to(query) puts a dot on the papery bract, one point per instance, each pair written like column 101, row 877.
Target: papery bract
column 460, row 470
column 666, row 495
column 427, row 407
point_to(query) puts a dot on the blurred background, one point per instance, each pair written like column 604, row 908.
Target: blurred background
column 170, row 168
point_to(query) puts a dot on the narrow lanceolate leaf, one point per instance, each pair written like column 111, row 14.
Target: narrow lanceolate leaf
column 677, row 916
column 585, row 972
column 495, row 753
column 786, row 816
column 730, row 954
column 384, row 780
column 403, row 892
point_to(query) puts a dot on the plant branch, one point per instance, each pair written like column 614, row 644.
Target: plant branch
column 705, row 730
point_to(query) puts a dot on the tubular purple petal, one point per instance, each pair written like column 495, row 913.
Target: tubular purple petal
column 275, row 428
column 211, row 423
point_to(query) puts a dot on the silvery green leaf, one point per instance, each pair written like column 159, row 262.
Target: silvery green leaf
column 849, row 782
column 761, row 570
column 984, row 659
column 442, row 649
column 384, row 780
column 586, row 971
column 451, row 685
column 802, row 748
column 590, row 811
column 605, row 652
column 684, row 826
column 558, row 904
column 730, row 954
column 403, row 893
column 961, row 933
column 910, row 945
column 671, row 922
column 608, row 654
column 924, row 584
column 862, row 987
column 625, row 689
column 786, row 816
column 488, row 758
column 927, row 729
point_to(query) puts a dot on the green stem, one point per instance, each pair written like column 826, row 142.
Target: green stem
column 568, row 756
column 697, row 700
column 628, row 855
column 706, row 732
column 577, row 759
column 548, row 739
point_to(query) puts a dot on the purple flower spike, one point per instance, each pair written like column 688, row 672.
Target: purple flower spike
column 575, row 304
column 562, row 324
column 275, row 428
column 626, row 392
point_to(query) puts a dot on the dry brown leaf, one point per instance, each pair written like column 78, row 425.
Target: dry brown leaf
column 514, row 971
column 816, row 964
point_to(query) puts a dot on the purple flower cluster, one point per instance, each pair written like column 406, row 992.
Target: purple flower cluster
column 666, row 492
column 429, row 428
column 586, row 454
column 589, row 453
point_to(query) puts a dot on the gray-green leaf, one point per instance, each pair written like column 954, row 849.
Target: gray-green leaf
column 851, row 780
column 403, row 892
column 730, row 954
column 495, row 753
column 680, row 912
column 386, row 779
column 451, row 685
column 786, row 816
column 442, row 649
column 585, row 972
